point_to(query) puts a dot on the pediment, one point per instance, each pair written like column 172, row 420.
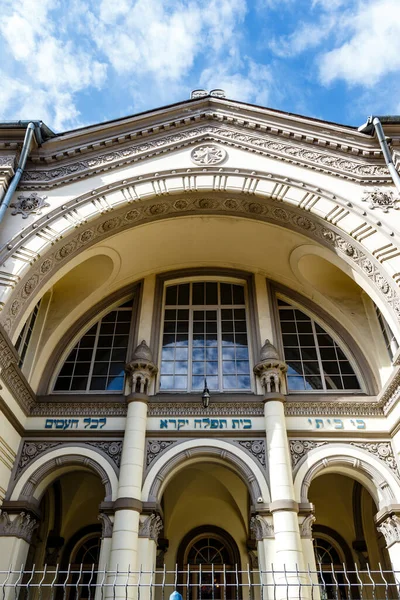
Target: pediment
column 267, row 143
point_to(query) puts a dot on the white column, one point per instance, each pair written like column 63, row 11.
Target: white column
column 306, row 523
column 263, row 530
column 128, row 505
column 288, row 546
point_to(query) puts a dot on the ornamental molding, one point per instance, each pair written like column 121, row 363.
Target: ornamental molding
column 306, row 526
column 254, row 447
column 106, row 525
column 390, row 528
column 29, row 205
column 32, row 449
column 7, row 160
column 193, row 409
column 297, row 153
column 269, row 211
column 12, row 377
column 333, row 408
column 22, row 526
column 150, row 527
column 383, row 451
column 155, row 448
column 83, row 409
column 383, row 199
column 300, row 448
column 261, row 527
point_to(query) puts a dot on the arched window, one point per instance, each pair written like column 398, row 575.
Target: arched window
column 205, row 337
column 22, row 343
column 97, row 361
column 315, row 360
column 330, row 568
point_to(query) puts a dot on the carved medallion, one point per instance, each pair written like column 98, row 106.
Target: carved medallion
column 383, row 199
column 208, row 154
column 29, row 205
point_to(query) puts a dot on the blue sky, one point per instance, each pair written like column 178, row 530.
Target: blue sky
column 75, row 62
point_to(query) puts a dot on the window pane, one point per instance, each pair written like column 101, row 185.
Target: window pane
column 209, row 330
column 97, row 363
column 307, row 346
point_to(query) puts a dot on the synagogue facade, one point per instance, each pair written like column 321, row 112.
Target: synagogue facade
column 199, row 325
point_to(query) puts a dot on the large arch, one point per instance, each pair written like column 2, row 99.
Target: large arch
column 353, row 462
column 216, row 450
column 46, row 468
column 269, row 197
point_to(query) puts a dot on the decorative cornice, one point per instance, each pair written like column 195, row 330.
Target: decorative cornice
column 336, row 408
column 56, row 409
column 337, row 159
column 22, row 526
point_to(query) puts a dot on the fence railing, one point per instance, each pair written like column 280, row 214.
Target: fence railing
column 199, row 583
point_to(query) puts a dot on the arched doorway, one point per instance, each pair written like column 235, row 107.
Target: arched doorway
column 208, row 557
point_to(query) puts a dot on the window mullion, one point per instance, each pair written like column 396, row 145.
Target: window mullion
column 96, row 341
column 321, row 370
column 190, row 349
column 219, row 345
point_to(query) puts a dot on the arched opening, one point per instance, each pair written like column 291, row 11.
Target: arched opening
column 345, row 537
column 207, row 557
column 206, row 507
column 69, row 532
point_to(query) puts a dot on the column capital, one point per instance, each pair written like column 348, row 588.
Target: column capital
column 150, row 526
column 390, row 528
column 106, row 525
column 22, row 526
column 306, row 526
column 261, row 527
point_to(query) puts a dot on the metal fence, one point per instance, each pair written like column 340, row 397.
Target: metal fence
column 199, row 583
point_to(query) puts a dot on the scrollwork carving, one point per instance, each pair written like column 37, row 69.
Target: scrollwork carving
column 256, row 448
column 261, row 527
column 390, row 528
column 150, row 527
column 300, row 448
column 384, row 199
column 23, row 526
column 155, row 448
column 29, row 205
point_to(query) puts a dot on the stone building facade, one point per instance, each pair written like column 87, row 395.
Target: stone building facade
column 200, row 309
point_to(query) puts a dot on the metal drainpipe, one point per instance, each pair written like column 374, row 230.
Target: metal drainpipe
column 30, row 129
column 377, row 125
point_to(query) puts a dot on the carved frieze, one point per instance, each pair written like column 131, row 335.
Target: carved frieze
column 112, row 448
column 255, row 447
column 32, row 450
column 155, row 448
column 29, row 205
column 82, row 409
column 22, row 526
column 192, row 409
column 300, row 448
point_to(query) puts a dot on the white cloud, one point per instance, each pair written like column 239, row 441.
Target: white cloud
column 253, row 86
column 307, row 35
column 372, row 47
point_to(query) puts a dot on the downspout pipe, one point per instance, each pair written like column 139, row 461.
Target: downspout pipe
column 30, row 130
column 375, row 123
